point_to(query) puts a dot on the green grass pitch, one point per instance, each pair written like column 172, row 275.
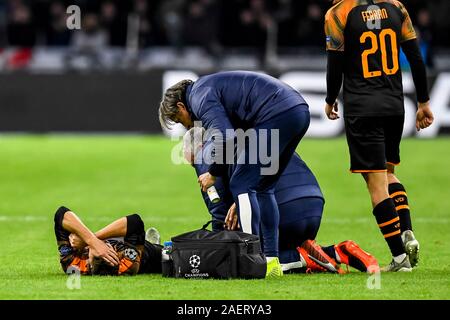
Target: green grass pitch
column 104, row 177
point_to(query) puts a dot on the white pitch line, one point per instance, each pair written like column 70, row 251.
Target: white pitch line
column 169, row 219
column 23, row 219
column 5, row 218
column 372, row 219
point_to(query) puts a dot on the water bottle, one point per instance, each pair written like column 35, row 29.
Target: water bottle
column 166, row 259
column 213, row 195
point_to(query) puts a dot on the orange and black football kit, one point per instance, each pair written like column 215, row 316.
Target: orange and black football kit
column 135, row 254
column 363, row 43
column 364, row 38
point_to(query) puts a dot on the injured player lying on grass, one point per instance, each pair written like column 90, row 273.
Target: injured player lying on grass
column 120, row 248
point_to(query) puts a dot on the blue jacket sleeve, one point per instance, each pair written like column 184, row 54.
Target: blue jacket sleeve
column 219, row 210
column 214, row 118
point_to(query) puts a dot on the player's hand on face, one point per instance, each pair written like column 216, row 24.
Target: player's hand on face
column 331, row 111
column 424, row 116
column 100, row 249
column 76, row 242
column 231, row 220
column 206, row 180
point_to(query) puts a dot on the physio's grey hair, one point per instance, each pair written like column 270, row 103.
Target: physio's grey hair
column 193, row 141
column 168, row 107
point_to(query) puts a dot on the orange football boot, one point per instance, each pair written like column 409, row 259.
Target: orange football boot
column 349, row 253
column 316, row 259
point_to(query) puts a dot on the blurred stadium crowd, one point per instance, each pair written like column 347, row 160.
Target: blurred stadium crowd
column 264, row 28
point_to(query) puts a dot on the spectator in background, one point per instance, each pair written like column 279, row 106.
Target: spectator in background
column 255, row 20
column 424, row 33
column 141, row 9
column 439, row 10
column 2, row 26
column 57, row 32
column 171, row 21
column 88, row 43
column 20, row 28
column 20, row 34
column 424, row 29
column 150, row 24
column 91, row 38
column 251, row 26
column 229, row 23
column 286, row 18
column 201, row 25
column 310, row 29
column 115, row 23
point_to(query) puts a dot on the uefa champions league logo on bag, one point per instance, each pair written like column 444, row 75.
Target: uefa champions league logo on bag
column 194, row 261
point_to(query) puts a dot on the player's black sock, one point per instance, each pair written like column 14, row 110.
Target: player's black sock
column 330, row 251
column 389, row 223
column 398, row 193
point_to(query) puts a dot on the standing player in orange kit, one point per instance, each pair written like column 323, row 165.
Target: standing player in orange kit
column 363, row 43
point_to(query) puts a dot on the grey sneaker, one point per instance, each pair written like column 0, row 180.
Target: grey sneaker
column 403, row 266
column 411, row 247
column 152, row 235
